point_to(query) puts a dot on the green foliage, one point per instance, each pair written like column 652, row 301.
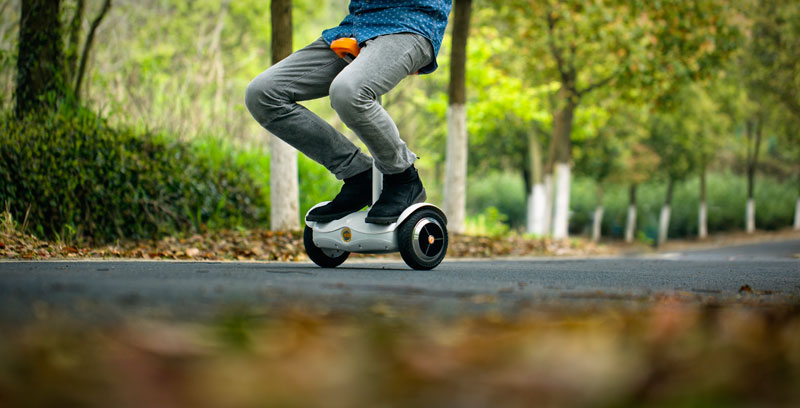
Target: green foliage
column 317, row 184
column 502, row 191
column 489, row 223
column 74, row 175
column 769, row 58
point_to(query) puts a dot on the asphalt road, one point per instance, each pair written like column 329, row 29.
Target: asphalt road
column 114, row 290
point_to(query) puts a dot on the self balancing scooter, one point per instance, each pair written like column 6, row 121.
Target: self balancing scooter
column 419, row 234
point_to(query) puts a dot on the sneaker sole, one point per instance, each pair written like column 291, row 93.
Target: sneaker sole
column 388, row 220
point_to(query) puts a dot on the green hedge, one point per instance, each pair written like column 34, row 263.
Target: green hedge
column 726, row 194
column 76, row 176
column 503, row 191
column 316, row 183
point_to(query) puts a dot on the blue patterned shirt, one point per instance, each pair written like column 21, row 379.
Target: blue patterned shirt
column 372, row 18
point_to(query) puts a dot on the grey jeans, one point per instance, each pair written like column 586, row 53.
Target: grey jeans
column 355, row 89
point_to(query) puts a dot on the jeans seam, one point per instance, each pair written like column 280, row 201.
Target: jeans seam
column 307, row 74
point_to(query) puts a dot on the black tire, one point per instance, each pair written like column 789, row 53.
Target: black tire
column 423, row 239
column 317, row 255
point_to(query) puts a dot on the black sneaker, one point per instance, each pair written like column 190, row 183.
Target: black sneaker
column 356, row 193
column 400, row 191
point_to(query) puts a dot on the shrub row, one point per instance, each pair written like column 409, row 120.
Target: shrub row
column 726, row 195
column 70, row 174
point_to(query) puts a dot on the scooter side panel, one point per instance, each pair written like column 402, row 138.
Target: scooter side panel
column 352, row 234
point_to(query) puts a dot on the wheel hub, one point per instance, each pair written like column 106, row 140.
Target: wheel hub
column 428, row 239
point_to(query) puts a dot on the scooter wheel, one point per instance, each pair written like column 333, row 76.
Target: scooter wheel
column 423, row 239
column 326, row 258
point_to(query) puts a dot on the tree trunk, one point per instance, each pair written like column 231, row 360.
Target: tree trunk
column 455, row 183
column 753, row 129
column 537, row 200
column 562, row 131
column 663, row 220
column 284, row 206
column 598, row 215
column 74, row 40
column 40, row 60
column 702, row 217
column 630, row 224
column 87, row 47
column 549, row 188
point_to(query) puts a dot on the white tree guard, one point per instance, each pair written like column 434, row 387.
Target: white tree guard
column 561, row 213
column 455, row 180
column 549, row 195
column 284, row 207
column 663, row 224
column 597, row 223
column 630, row 224
column 537, row 206
column 797, row 215
column 702, row 221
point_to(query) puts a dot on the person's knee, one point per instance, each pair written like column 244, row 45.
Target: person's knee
column 349, row 97
column 262, row 98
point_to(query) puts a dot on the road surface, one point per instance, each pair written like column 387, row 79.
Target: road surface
column 114, row 290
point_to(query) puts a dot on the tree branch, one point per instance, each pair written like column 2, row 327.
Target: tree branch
column 74, row 35
column 3, row 6
column 598, row 84
column 88, row 45
column 561, row 65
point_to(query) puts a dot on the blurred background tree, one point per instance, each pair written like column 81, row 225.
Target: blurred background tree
column 625, row 96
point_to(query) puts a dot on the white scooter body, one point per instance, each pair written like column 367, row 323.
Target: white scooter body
column 353, row 234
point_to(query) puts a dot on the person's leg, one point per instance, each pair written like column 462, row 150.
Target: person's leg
column 383, row 62
column 381, row 65
column 272, row 100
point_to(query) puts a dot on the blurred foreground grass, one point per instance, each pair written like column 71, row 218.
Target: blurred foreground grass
column 665, row 352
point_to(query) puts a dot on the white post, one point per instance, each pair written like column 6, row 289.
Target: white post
column 455, row 180
column 561, row 213
column 598, row 223
column 663, row 225
column 702, row 221
column 630, row 224
column 797, row 214
column 751, row 216
column 284, row 206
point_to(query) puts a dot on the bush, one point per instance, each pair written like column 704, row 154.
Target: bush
column 72, row 175
column 316, row 183
column 503, row 191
